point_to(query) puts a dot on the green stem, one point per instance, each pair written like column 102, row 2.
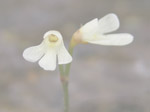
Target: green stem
column 64, row 81
column 66, row 96
column 68, row 66
column 61, row 70
column 64, row 76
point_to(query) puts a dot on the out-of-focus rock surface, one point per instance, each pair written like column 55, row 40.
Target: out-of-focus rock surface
column 102, row 79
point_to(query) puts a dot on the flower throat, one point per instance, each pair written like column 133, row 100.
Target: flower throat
column 52, row 38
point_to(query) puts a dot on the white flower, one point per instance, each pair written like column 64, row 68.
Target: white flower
column 47, row 52
column 96, row 32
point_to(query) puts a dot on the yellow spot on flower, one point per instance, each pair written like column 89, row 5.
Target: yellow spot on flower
column 53, row 38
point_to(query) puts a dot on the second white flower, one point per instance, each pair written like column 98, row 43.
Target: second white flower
column 96, row 32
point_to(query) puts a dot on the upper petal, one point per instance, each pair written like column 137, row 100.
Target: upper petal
column 108, row 23
column 48, row 35
column 34, row 53
column 89, row 29
column 48, row 61
column 113, row 39
column 57, row 33
column 90, row 26
column 63, row 55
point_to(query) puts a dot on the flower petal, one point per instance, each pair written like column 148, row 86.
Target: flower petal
column 53, row 32
column 34, row 53
column 63, row 55
column 48, row 61
column 90, row 27
column 108, row 23
column 113, row 39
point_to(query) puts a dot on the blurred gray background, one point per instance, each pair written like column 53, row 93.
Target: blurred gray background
column 102, row 79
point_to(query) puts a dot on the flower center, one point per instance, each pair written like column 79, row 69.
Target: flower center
column 52, row 38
